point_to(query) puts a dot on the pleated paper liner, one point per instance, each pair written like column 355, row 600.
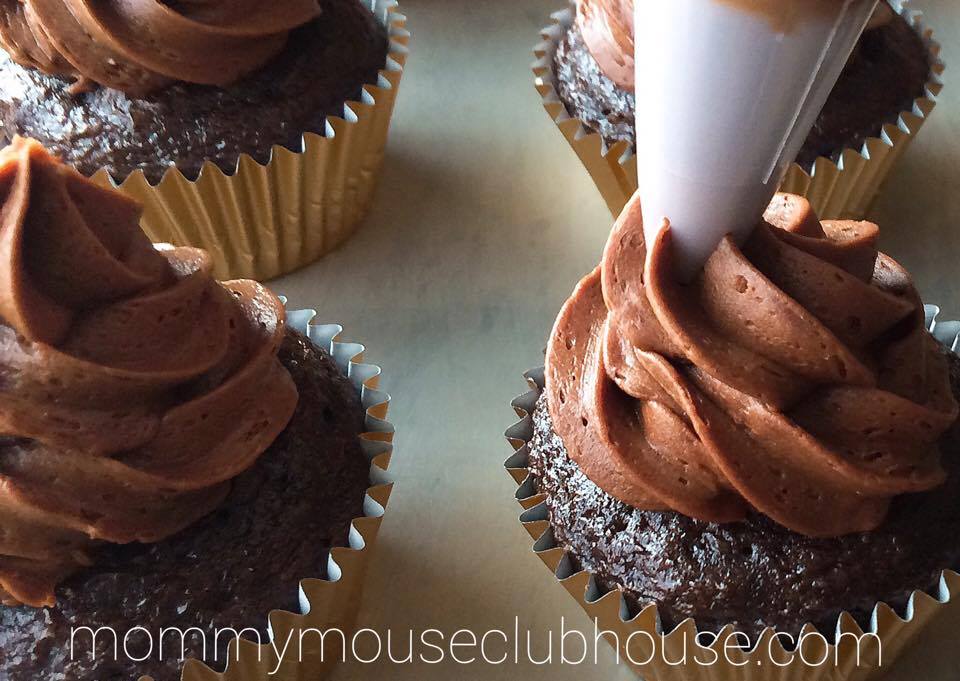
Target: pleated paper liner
column 842, row 189
column 330, row 603
column 265, row 220
column 768, row 660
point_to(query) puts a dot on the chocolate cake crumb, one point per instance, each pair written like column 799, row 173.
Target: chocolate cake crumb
column 753, row 574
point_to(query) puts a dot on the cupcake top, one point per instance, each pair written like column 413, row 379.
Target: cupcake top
column 135, row 386
column 142, row 45
column 794, row 376
column 607, row 30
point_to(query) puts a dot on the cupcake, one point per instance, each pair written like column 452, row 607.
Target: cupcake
column 769, row 452
column 585, row 75
column 160, row 434
column 253, row 130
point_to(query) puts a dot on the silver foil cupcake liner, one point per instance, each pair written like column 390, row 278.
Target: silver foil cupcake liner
column 331, row 603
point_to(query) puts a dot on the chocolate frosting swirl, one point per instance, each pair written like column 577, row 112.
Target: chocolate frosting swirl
column 607, row 30
column 142, row 45
column 133, row 386
column 794, row 376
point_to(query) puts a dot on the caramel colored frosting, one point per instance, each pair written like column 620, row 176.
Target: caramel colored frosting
column 607, row 28
column 784, row 15
column 141, row 45
column 793, row 377
column 134, row 386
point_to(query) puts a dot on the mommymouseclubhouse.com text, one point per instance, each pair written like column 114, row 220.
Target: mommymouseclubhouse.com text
column 512, row 645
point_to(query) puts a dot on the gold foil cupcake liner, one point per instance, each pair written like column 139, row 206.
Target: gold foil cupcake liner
column 844, row 188
column 264, row 220
column 332, row 603
column 853, row 654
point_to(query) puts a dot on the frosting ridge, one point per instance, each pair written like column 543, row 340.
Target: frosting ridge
column 142, row 45
column 607, row 29
column 793, row 377
column 134, row 385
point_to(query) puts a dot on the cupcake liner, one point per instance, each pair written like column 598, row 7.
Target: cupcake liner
column 264, row 220
column 836, row 189
column 768, row 660
column 329, row 603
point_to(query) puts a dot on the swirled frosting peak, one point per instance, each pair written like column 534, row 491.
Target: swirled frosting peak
column 607, row 29
column 133, row 386
column 794, row 377
column 141, row 45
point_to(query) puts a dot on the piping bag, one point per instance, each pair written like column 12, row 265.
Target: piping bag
column 726, row 93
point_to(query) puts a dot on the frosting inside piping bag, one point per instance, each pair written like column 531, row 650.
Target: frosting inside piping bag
column 133, row 386
column 793, row 376
column 608, row 31
column 142, row 45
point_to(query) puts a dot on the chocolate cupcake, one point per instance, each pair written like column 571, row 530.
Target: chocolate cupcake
column 738, row 455
column 585, row 74
column 161, row 433
column 272, row 117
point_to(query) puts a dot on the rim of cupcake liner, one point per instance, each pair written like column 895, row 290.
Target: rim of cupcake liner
column 863, row 169
column 330, row 602
column 612, row 605
column 354, row 111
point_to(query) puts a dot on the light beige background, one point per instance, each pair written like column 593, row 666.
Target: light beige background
column 483, row 223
